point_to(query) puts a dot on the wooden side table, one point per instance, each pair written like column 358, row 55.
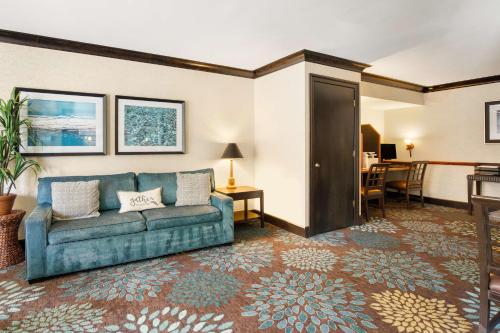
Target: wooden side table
column 11, row 252
column 245, row 193
column 478, row 179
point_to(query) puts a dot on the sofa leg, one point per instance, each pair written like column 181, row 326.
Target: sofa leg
column 33, row 281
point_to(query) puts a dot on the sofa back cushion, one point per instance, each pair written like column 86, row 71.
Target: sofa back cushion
column 168, row 182
column 108, row 186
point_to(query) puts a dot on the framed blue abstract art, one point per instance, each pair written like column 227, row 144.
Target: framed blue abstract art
column 148, row 126
column 63, row 123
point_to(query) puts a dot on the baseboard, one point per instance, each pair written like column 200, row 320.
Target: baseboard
column 280, row 223
column 432, row 201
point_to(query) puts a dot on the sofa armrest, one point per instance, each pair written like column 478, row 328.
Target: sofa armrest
column 36, row 228
column 225, row 205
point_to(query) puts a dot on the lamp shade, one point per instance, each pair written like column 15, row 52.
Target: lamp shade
column 232, row 151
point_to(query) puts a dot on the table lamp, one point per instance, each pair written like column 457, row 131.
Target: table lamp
column 232, row 151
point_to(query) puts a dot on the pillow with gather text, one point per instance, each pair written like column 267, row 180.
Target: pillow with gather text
column 193, row 189
column 75, row 200
column 139, row 201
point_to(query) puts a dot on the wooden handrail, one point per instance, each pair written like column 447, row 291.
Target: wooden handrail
column 454, row 163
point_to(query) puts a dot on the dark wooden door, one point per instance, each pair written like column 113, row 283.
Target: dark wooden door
column 334, row 162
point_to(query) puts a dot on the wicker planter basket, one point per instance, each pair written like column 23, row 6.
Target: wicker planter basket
column 11, row 252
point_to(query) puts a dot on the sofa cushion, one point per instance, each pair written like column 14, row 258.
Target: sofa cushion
column 108, row 186
column 110, row 223
column 168, row 182
column 171, row 216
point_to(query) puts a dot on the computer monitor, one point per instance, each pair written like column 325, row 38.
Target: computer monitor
column 388, row 151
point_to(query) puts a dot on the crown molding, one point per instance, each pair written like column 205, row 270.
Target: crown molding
column 310, row 56
column 20, row 38
column 390, row 82
column 464, row 84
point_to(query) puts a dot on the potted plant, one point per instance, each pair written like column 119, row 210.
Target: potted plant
column 12, row 163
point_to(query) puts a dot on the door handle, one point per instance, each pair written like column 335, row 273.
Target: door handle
column 316, row 165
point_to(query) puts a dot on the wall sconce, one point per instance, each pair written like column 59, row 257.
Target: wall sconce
column 409, row 145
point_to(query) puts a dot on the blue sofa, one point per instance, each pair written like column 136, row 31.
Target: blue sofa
column 59, row 247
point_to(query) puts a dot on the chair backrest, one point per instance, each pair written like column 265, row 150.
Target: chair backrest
column 486, row 225
column 416, row 174
column 375, row 179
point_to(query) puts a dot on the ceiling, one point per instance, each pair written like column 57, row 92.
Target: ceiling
column 426, row 41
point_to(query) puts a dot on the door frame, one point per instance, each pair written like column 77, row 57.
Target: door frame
column 312, row 179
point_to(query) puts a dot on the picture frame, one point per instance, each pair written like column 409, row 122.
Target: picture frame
column 492, row 122
column 149, row 126
column 64, row 123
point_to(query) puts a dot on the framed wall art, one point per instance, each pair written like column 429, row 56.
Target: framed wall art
column 63, row 123
column 492, row 122
column 149, row 126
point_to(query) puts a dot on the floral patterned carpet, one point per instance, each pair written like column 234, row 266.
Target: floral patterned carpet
column 415, row 271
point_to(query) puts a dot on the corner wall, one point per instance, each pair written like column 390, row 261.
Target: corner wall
column 449, row 127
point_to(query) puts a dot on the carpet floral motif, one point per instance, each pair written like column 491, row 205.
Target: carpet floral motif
column 440, row 245
column 62, row 318
column 464, row 269
column 471, row 308
column 464, row 228
column 408, row 312
column 416, row 214
column 374, row 240
column 294, row 302
column 201, row 289
column 172, row 320
column 132, row 281
column 251, row 231
column 13, row 296
column 377, row 225
column 394, row 269
column 422, row 226
column 247, row 256
column 332, row 238
column 309, row 259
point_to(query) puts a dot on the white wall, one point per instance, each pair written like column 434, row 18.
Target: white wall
column 280, row 146
column 449, row 127
column 219, row 109
column 374, row 117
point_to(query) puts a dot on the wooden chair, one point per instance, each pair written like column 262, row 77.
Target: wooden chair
column 414, row 181
column 374, row 187
column 489, row 268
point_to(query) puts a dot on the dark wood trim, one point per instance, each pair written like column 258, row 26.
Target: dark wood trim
column 281, row 63
column 74, row 93
column 464, row 83
column 390, row 82
column 329, row 60
column 355, row 85
column 452, row 163
column 310, row 56
column 32, row 40
column 117, row 152
column 280, row 223
column 20, row 38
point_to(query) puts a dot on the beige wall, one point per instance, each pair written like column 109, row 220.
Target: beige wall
column 449, row 127
column 219, row 109
column 374, row 117
column 280, row 144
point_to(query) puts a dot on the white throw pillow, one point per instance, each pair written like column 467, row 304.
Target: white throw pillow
column 193, row 189
column 75, row 200
column 139, row 201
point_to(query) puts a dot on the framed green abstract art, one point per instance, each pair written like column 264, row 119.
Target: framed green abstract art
column 148, row 126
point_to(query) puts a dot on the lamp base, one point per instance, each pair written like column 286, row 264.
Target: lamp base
column 231, row 183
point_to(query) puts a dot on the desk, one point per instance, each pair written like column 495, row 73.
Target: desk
column 478, row 178
column 245, row 193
